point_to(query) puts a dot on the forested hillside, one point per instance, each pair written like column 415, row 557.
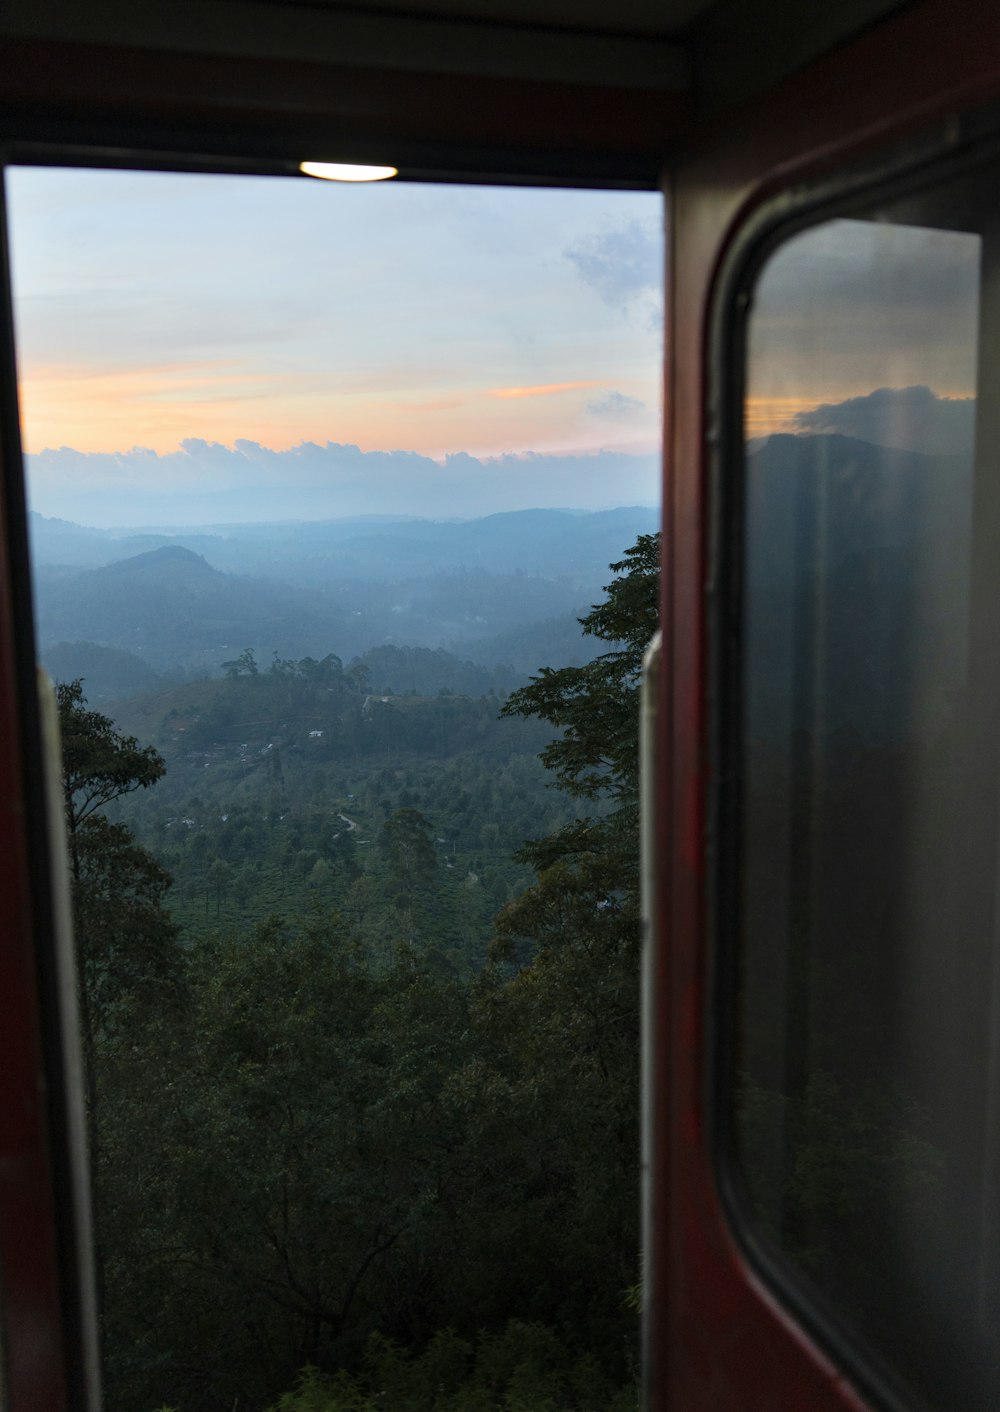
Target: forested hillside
column 363, row 1080
column 287, row 789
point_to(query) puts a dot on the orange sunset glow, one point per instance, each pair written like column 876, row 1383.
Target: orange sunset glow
column 546, row 390
column 157, row 406
column 764, row 416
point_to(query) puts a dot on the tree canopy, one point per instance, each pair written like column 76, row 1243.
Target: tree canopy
column 596, row 756
column 126, row 941
column 100, row 764
column 596, row 706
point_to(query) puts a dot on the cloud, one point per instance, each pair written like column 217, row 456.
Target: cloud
column 542, row 390
column 206, row 482
column 622, row 265
column 912, row 418
column 615, row 404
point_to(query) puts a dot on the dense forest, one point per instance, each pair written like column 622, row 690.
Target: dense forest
column 287, row 790
column 359, row 998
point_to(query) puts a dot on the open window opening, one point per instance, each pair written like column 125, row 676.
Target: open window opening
column 320, row 484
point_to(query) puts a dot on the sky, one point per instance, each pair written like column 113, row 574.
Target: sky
column 192, row 346
column 197, row 349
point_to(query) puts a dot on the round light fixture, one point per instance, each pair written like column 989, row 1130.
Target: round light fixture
column 345, row 171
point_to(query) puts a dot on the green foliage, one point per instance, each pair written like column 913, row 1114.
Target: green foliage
column 315, row 1392
column 406, row 842
column 126, row 941
column 596, row 706
column 570, row 942
column 100, row 764
column 330, row 804
column 596, row 757
column 325, row 1148
column 524, row 1368
column 125, row 936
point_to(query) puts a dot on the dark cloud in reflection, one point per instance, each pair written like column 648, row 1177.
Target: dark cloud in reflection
column 911, row 418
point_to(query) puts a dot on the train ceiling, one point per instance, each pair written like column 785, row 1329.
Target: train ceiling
column 425, row 80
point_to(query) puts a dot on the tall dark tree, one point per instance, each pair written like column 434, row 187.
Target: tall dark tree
column 129, row 967
column 100, row 764
column 596, row 757
column 569, row 1015
column 126, row 942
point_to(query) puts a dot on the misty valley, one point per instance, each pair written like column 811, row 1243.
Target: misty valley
column 305, row 682
column 352, row 926
column 503, row 592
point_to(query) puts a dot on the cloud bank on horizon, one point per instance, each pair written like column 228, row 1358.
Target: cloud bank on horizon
column 207, row 483
column 156, row 307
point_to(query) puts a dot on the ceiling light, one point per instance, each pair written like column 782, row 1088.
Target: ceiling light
column 345, row 171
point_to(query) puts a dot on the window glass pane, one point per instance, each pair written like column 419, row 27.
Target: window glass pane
column 868, row 1086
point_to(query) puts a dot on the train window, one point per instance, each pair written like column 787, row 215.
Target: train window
column 866, row 1037
column 318, row 477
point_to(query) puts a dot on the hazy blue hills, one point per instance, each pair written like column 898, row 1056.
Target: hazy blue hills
column 110, row 673
column 502, row 594
column 855, row 554
column 171, row 608
column 170, row 561
column 553, row 543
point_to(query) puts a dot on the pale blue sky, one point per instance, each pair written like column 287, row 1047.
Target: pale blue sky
column 154, row 309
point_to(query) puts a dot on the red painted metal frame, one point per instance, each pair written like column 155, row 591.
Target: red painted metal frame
column 33, row 1354
column 717, row 1339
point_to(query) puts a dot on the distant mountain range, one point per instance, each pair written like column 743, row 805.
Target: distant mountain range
column 188, row 601
column 553, row 543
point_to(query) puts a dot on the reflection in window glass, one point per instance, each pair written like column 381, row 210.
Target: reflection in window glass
column 867, row 1111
